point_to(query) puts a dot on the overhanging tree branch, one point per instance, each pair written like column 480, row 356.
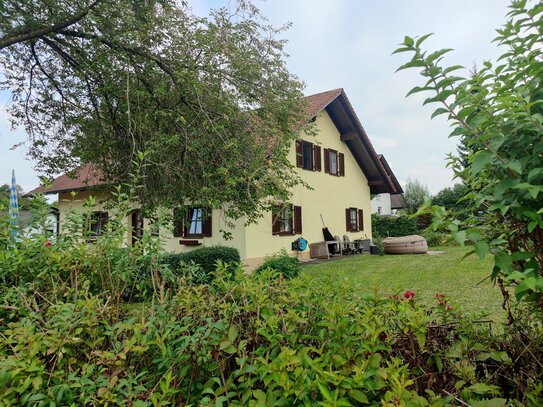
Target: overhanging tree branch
column 29, row 34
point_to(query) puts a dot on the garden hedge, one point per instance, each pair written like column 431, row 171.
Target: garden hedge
column 384, row 226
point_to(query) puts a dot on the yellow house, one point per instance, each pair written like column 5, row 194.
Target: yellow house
column 339, row 163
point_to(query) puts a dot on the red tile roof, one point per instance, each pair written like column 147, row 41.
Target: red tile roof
column 84, row 177
column 318, row 102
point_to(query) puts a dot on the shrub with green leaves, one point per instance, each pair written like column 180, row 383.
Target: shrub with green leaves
column 497, row 112
column 204, row 257
column 70, row 336
column 283, row 264
column 391, row 226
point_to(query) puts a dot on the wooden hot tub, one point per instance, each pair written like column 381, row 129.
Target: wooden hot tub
column 413, row 244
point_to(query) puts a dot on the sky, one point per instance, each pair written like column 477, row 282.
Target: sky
column 348, row 44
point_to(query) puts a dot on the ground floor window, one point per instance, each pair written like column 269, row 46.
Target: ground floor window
column 193, row 222
column 287, row 220
column 354, row 219
column 98, row 222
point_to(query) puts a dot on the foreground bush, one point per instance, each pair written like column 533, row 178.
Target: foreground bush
column 257, row 341
column 205, row 258
column 69, row 335
column 283, row 264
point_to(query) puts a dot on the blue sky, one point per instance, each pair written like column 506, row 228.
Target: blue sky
column 348, row 44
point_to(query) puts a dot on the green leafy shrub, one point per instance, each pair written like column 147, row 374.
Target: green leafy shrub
column 496, row 111
column 69, row 337
column 285, row 265
column 438, row 238
column 387, row 226
column 205, row 257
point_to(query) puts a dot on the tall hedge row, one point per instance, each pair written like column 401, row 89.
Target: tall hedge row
column 393, row 226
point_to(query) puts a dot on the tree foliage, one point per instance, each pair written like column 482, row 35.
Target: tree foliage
column 415, row 193
column 5, row 192
column 206, row 103
column 498, row 112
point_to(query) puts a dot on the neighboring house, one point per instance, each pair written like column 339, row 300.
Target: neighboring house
column 388, row 203
column 339, row 163
column 29, row 225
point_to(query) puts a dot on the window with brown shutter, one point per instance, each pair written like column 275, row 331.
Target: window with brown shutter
column 194, row 222
column 327, row 161
column 299, row 154
column 283, row 220
column 341, row 160
column 360, row 220
column 98, row 223
column 317, row 157
column 351, row 219
column 306, row 156
column 297, row 220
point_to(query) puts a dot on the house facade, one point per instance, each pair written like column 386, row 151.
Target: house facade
column 339, row 163
column 387, row 203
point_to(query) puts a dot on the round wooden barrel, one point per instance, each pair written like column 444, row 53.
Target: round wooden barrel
column 413, row 244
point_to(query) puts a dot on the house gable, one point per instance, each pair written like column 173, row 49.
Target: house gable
column 341, row 112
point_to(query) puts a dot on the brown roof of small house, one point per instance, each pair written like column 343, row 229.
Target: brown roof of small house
column 82, row 178
column 397, row 201
column 338, row 106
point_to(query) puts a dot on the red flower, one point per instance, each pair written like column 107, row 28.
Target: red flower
column 449, row 307
column 390, row 296
column 48, row 244
column 437, row 295
column 282, row 278
column 440, row 302
column 409, row 294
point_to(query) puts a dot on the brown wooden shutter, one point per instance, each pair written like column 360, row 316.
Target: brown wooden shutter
column 317, row 157
column 178, row 222
column 276, row 225
column 327, row 161
column 341, row 164
column 360, row 220
column 103, row 221
column 207, row 225
column 348, row 219
column 297, row 220
column 137, row 225
column 299, row 154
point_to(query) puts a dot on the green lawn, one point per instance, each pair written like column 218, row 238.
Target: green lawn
column 427, row 275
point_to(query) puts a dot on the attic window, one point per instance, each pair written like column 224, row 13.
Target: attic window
column 308, row 155
column 334, row 162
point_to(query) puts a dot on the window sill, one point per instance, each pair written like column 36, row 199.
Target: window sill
column 190, row 242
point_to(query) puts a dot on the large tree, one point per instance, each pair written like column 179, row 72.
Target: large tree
column 415, row 193
column 206, row 104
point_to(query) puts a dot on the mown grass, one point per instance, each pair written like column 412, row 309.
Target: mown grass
column 461, row 280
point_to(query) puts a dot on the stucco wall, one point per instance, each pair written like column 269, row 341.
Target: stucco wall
column 381, row 201
column 330, row 196
column 68, row 202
